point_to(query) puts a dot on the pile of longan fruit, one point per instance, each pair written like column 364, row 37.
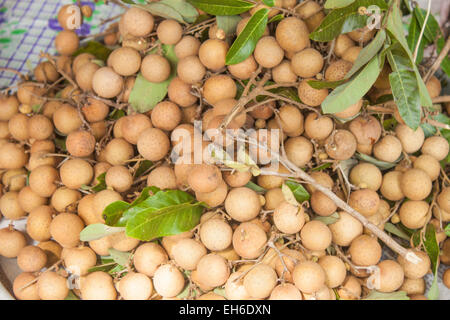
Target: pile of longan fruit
column 249, row 244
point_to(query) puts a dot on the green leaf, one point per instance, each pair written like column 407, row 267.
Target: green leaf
column 162, row 10
column 145, row 95
column 97, row 231
column 391, row 228
column 432, row 28
column 328, row 219
column 398, row 295
column 128, row 1
column 321, row 84
column 350, row 92
column 413, row 38
column 101, row 185
column 143, row 167
column 114, row 211
column 383, row 165
column 432, row 248
column 186, row 10
column 71, row 296
column 255, row 187
column 105, row 267
column 300, row 193
column 447, row 230
column 95, row 48
column 222, row 7
column 119, row 257
column 269, row 3
column 367, row 53
column 334, row 4
column 324, row 166
column 344, row 20
column 276, row 18
column 245, row 43
column 228, row 23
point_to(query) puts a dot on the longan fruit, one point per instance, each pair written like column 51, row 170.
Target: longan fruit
column 391, row 186
column 162, row 177
column 118, row 151
column 40, row 127
column 234, row 289
column 31, row 259
column 443, row 199
column 260, row 281
column 125, row 61
column 351, row 54
column 166, row 116
column 29, row 94
column 244, row 70
column 65, row 228
column 98, row 285
column 52, row 286
column 292, row 34
column 45, row 72
column 119, row 178
column 79, row 260
column 133, row 125
column 307, row 63
column 12, row 156
column 365, row 250
column 288, row 218
column 168, row 281
column 318, row 127
column 212, row 54
column 180, row 93
column 14, row 179
column 351, row 289
column 446, row 278
column 85, row 75
column 315, row 235
column 415, row 184
column 263, row 111
column 153, row 144
column 214, row 198
column 436, row 147
column 187, row 46
column 10, row 206
column 190, row 69
column 75, row 173
column 28, row 293
column 340, row 145
column 135, row 286
column 342, row 44
column 107, row 83
column 299, row 150
column 337, row 70
column 285, row 291
column 428, row 164
column 350, row 111
column 308, row 276
column 213, row 270
column 242, row 204
column 218, row 88
column 362, row 34
column 388, row 149
column 366, row 129
column 169, row 31
column 390, row 278
column 138, row 22
column 366, row 175
column 290, row 258
column 28, row 199
column 67, row 42
column 249, row 240
column 237, row 178
column 204, row 178
column 80, row 60
column 434, row 87
column 273, row 198
column 95, row 110
column 53, row 251
column 310, row 96
column 346, row 229
column 224, row 107
column 216, row 234
column 411, row 140
column 291, row 119
column 80, row 143
column 414, row 214
column 187, row 253
column 365, row 201
column 42, row 145
column 18, row 127
column 168, row 242
column 322, row 204
column 11, row 242
column 284, row 73
column 86, row 210
column 321, row 178
column 155, row 68
column 128, row 88
column 268, row 52
column 334, row 269
column 38, row 223
column 9, row 106
column 66, row 119
column 413, row 287
column 415, row 271
column 148, row 257
column 104, row 198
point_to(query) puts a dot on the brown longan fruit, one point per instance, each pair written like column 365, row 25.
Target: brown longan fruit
column 366, row 129
column 365, row 201
column 80, row 143
column 216, row 234
column 390, row 278
column 168, row 281
column 180, row 93
column 153, row 144
column 315, row 235
column 42, row 145
column 268, row 52
column 334, row 269
column 337, row 70
column 350, row 111
column 169, row 31
column 307, row 63
column 14, row 179
column 190, row 69
column 155, row 68
column 288, row 218
column 39, row 127
column 284, row 73
column 412, row 270
column 391, row 186
column 436, row 147
column 434, row 87
column 65, row 228
column 162, row 177
column 31, row 259
column 42, row 180
column 428, row 164
column 351, row 54
column 318, row 127
column 67, row 42
column 118, row 151
column 345, row 229
column 52, row 286
column 310, row 96
column 214, row 198
column 98, row 285
column 299, row 150
column 213, row 270
column 291, row 119
column 365, row 250
column 308, row 276
column 322, row 204
column 292, row 34
column 242, row 204
column 9, row 106
column 362, row 34
column 148, row 257
column 107, row 83
column 104, row 198
column 187, row 46
column 446, row 278
column 218, row 88
column 273, row 198
column 443, row 199
column 66, row 119
column 137, row 22
column 25, row 293
column 204, row 178
column 45, row 72
column 125, row 61
column 79, row 260
column 75, row 173
column 237, row 178
column 341, row 144
column 285, row 291
column 411, row 140
column 415, row 184
column 351, row 289
column 249, row 240
column 135, row 286
column 166, row 115
column 133, row 125
column 128, row 88
column 366, row 175
column 29, row 94
column 260, row 281
column 224, row 107
column 85, row 75
column 119, row 178
column 10, row 206
column 80, row 60
column 244, row 70
column 28, row 199
column 12, row 156
column 263, row 111
column 87, row 212
column 187, row 253
column 388, row 149
column 18, row 127
column 11, row 242
column 321, row 178
column 414, row 214
column 234, row 287
column 212, row 54
column 342, row 44
column 38, row 223
column 69, row 17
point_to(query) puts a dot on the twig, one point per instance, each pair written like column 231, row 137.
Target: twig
column 416, row 50
column 438, row 61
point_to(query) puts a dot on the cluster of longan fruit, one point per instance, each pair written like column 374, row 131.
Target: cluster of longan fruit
column 238, row 244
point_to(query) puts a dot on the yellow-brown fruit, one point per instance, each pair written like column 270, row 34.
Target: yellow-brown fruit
column 162, row 177
column 169, row 32
column 31, row 259
column 341, row 144
column 107, row 83
column 66, row 42
column 365, row 251
column 260, row 281
column 244, row 70
column 187, row 46
column 428, row 164
column 434, row 87
column 180, row 93
column 69, row 17
column 25, row 293
column 18, row 127
column 98, row 286
column 345, row 229
column 218, row 88
column 337, row 70
column 288, row 218
column 415, row 184
column 315, row 235
column 322, row 204
column 212, row 54
column 46, row 72
column 242, row 204
column 292, row 34
column 436, row 146
column 390, row 278
column 80, row 143
column 66, row 119
column 414, row 214
column 307, row 63
column 284, row 73
column 299, row 150
column 365, row 201
column 125, row 61
column 9, row 106
column 166, row 115
column 310, row 96
column 362, row 34
column 366, row 175
column 153, row 144
column 391, row 186
column 309, row 276
column 137, row 22
column 11, row 242
column 268, row 52
column 351, row 54
column 388, row 149
column 342, row 44
column 249, row 240
column 190, row 69
column 12, row 156
column 415, row 271
column 65, row 229
column 52, row 286
column 38, row 223
column 155, row 68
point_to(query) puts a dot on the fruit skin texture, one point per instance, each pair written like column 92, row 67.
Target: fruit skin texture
column 135, row 286
column 216, row 234
column 107, row 83
column 11, row 242
column 415, row 184
column 315, row 235
column 415, row 271
column 413, row 214
column 148, row 257
column 168, row 281
column 391, row 276
column 98, row 286
column 288, row 218
column 138, row 22
column 268, row 52
column 31, row 259
column 65, row 229
column 30, row 292
column 249, row 240
column 212, row 54
column 169, row 31
column 153, row 144
column 242, row 204
column 80, row 143
column 365, row 251
column 260, row 281
column 365, row 201
column 204, row 178
column 307, row 63
column 308, row 276
column 436, row 146
column 345, row 229
column 155, row 68
column 52, row 286
column 292, row 34
column 340, row 145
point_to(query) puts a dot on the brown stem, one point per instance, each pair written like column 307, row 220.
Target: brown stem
column 438, row 61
